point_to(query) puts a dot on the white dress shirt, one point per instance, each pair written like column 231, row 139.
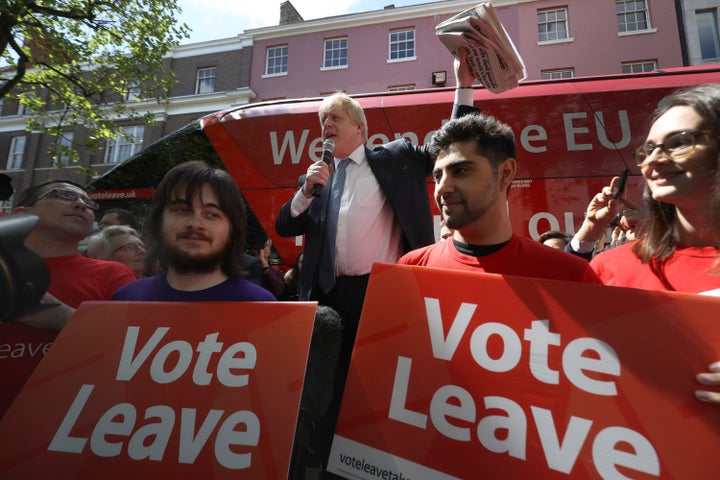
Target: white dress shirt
column 373, row 235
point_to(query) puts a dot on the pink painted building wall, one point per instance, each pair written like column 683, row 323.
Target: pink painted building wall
column 595, row 47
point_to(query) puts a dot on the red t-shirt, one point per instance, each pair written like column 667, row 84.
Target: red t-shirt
column 76, row 279
column 689, row 269
column 73, row 280
column 521, row 257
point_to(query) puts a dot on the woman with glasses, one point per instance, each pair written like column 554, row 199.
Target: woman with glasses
column 121, row 244
column 677, row 249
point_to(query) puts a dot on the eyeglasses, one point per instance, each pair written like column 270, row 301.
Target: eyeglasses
column 130, row 248
column 676, row 146
column 70, row 196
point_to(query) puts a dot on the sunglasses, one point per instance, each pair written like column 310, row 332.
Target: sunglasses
column 70, row 197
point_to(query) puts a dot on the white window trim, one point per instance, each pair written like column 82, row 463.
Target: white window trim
column 325, row 51
column 198, row 80
column 6, row 206
column 556, row 42
column 390, row 42
column 267, row 58
column 639, row 62
column 558, row 70
column 402, row 88
column 567, row 25
column 400, row 60
column 637, row 32
column 133, row 93
column 341, row 67
column 66, row 137
column 12, row 153
column 136, row 146
column 713, row 11
column 284, row 74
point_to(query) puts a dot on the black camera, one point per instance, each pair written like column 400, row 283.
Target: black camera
column 24, row 276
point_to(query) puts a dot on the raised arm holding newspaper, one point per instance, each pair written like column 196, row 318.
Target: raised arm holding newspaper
column 492, row 57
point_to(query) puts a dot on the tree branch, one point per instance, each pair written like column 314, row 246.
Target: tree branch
column 19, row 70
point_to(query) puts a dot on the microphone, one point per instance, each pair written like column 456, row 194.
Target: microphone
column 328, row 151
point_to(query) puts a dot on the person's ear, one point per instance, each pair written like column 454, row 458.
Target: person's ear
column 506, row 172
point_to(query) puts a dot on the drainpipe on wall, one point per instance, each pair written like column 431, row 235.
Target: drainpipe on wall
column 680, row 13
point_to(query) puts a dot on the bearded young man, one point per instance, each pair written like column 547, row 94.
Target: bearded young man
column 474, row 167
column 197, row 228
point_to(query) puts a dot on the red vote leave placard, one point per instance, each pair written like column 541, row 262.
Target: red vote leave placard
column 163, row 390
column 472, row 375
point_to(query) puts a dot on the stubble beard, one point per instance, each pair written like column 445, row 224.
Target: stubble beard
column 184, row 262
column 465, row 216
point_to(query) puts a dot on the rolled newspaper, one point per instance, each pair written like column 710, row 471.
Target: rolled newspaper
column 493, row 59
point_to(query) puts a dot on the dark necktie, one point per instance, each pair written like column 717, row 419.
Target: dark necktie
column 326, row 277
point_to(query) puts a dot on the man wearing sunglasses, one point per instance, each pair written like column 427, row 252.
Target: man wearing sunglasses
column 65, row 216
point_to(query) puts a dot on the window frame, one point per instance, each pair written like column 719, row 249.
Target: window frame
column 626, row 13
column 402, row 88
column 554, row 71
column 16, row 155
column 641, row 63
column 332, row 49
column 133, row 93
column 285, row 53
column 201, row 80
column 398, row 42
column 6, row 206
column 712, row 14
column 565, row 21
column 66, row 140
column 114, row 146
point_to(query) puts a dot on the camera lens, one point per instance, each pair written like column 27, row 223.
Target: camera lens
column 24, row 276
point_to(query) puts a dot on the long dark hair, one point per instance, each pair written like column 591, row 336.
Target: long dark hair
column 189, row 178
column 658, row 241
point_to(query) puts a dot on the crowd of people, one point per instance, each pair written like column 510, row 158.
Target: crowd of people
column 372, row 206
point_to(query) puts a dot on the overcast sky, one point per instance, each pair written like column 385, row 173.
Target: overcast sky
column 214, row 19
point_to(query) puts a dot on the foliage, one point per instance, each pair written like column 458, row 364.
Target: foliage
column 86, row 62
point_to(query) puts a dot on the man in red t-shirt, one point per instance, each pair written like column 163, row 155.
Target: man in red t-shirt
column 474, row 167
column 65, row 216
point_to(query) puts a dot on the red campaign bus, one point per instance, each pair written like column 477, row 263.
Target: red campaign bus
column 572, row 137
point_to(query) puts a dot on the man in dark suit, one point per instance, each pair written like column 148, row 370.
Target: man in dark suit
column 384, row 212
